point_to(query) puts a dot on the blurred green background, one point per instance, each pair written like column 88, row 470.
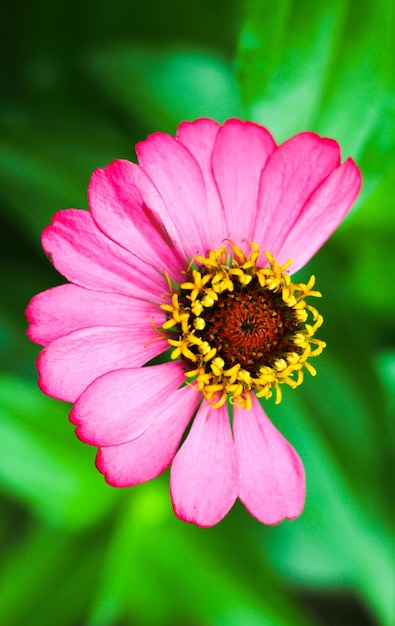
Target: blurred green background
column 82, row 82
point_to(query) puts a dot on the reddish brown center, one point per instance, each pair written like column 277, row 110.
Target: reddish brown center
column 249, row 327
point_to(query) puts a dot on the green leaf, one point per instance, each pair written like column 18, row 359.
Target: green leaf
column 152, row 553
column 326, row 67
column 340, row 542
column 45, row 165
column 47, row 578
column 42, row 464
column 163, row 87
column 385, row 364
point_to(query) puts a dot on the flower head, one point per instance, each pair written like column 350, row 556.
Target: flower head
column 189, row 255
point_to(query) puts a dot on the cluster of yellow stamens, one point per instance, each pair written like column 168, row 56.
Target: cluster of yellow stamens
column 240, row 328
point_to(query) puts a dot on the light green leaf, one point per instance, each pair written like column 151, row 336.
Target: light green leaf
column 152, row 554
column 341, row 544
column 41, row 463
column 326, row 67
column 163, row 87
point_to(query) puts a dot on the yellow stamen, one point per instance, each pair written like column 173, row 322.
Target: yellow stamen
column 191, row 327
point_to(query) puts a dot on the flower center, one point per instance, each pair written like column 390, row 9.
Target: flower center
column 249, row 326
column 240, row 328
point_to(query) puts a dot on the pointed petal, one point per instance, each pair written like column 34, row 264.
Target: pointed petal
column 199, row 138
column 69, row 364
column 272, row 485
column 240, row 153
column 291, row 175
column 322, row 214
column 204, row 477
column 179, row 180
column 85, row 256
column 148, row 456
column 61, row 310
column 121, row 405
column 128, row 208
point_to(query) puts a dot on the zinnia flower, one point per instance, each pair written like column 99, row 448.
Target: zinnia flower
column 181, row 312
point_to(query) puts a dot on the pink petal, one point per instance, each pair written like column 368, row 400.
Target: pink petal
column 128, row 208
column 199, row 138
column 204, row 477
column 148, row 456
column 179, row 180
column 85, row 256
column 121, row 405
column 68, row 365
column 61, row 310
column 322, row 214
column 272, row 485
column 240, row 152
column 291, row 175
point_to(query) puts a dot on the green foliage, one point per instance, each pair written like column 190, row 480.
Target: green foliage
column 81, row 86
column 327, row 67
column 166, row 85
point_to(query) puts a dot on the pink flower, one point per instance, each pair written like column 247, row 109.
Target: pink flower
column 187, row 253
